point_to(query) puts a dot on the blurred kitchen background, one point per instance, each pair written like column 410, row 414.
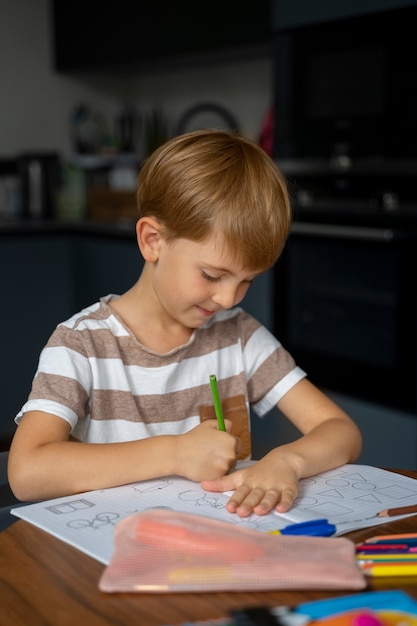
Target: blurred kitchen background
column 89, row 89
column 99, row 86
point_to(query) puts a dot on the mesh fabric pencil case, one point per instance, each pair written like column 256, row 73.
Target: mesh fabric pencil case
column 160, row 551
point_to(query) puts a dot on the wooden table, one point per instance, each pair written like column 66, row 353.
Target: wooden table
column 44, row 581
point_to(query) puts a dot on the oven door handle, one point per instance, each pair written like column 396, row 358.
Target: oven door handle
column 336, row 231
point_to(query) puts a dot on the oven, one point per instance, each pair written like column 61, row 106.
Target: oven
column 345, row 297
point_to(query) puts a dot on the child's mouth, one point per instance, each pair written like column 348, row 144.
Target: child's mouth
column 205, row 312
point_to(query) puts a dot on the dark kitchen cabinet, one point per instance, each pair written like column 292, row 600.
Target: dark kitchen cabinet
column 103, row 265
column 46, row 278
column 295, row 13
column 35, row 274
column 94, row 34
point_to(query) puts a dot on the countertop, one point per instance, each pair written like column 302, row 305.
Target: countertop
column 119, row 229
column 403, row 221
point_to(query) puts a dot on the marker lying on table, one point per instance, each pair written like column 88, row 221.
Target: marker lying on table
column 315, row 527
column 217, row 404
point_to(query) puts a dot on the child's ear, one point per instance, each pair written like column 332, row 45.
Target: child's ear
column 148, row 233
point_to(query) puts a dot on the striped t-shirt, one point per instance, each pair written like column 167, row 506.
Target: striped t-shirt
column 95, row 374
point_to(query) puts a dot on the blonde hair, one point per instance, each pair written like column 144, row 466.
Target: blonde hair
column 212, row 182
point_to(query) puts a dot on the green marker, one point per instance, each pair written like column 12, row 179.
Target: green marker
column 217, row 403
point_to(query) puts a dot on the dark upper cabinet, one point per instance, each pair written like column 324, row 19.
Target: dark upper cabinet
column 96, row 34
column 294, row 13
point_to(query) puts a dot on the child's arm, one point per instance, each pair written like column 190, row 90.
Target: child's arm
column 44, row 463
column 330, row 438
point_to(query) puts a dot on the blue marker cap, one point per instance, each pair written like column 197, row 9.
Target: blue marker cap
column 316, row 527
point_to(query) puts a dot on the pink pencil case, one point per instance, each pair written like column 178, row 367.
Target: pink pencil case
column 162, row 551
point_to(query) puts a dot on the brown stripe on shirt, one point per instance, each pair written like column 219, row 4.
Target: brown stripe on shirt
column 61, row 389
column 277, row 365
column 151, row 408
column 102, row 344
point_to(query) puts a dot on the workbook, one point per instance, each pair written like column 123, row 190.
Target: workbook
column 350, row 497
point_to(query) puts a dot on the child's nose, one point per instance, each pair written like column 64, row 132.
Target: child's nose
column 225, row 296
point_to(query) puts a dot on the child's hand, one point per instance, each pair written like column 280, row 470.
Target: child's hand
column 205, row 452
column 270, row 483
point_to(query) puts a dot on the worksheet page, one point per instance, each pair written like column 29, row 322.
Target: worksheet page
column 350, row 497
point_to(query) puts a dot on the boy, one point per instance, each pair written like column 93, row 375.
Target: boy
column 122, row 391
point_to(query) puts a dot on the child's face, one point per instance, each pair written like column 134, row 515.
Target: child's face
column 194, row 280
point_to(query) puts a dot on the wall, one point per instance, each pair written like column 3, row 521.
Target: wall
column 36, row 103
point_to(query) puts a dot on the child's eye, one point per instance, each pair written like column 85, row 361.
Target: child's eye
column 212, row 279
